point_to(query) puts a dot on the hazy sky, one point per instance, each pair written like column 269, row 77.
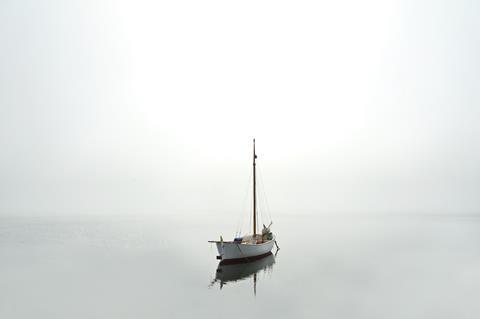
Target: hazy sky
column 149, row 106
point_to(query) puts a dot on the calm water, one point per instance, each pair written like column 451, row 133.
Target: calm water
column 347, row 266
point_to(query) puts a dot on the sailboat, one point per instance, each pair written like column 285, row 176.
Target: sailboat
column 249, row 247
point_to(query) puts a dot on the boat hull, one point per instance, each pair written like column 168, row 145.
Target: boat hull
column 233, row 252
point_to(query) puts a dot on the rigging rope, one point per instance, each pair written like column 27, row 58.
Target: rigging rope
column 264, row 197
column 244, row 213
column 263, row 208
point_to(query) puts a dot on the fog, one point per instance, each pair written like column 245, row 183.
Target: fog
column 150, row 107
column 126, row 134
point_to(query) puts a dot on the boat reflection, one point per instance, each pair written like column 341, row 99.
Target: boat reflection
column 227, row 273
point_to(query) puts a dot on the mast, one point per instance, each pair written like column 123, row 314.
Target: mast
column 254, row 192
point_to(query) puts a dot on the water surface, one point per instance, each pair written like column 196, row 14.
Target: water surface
column 333, row 266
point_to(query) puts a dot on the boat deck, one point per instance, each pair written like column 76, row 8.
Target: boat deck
column 247, row 240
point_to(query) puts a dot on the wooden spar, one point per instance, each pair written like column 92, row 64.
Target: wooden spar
column 254, row 193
